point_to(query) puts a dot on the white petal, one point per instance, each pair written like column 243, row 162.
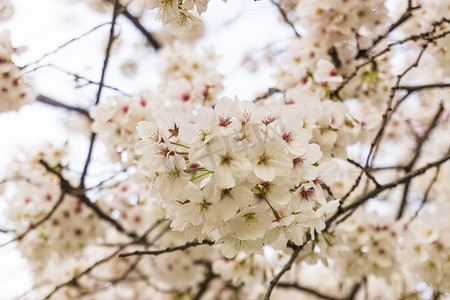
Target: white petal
column 265, row 173
column 224, row 177
column 189, row 133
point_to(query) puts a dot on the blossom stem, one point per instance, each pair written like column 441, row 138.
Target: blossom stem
column 181, row 145
column 197, row 169
column 209, row 172
column 182, row 153
column 276, row 214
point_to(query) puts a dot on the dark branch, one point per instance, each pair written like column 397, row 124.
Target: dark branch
column 52, row 102
column 387, row 186
column 152, row 41
column 409, row 167
column 366, row 171
column 155, row 44
column 403, row 18
column 74, row 279
column 267, row 94
column 426, row 195
column 100, row 88
column 67, row 188
column 286, row 268
column 428, row 36
column 169, row 249
column 204, row 285
column 306, row 290
column 415, row 88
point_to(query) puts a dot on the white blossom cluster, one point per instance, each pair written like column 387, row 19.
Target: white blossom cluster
column 240, row 175
column 327, row 51
column 115, row 122
column 328, row 31
column 189, row 77
column 15, row 90
column 327, row 24
column 332, row 125
column 32, row 195
column 224, row 194
column 426, row 248
column 130, row 203
column 178, row 14
column 188, row 81
column 368, row 245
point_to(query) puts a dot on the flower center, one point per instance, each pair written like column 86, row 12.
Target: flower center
column 265, row 159
column 288, row 137
column 226, row 159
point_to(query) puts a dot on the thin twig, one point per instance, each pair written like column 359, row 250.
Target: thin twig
column 77, row 77
column 67, row 188
column 415, row 88
column 38, row 223
column 285, row 17
column 373, row 193
column 403, row 18
column 100, row 88
column 409, row 167
column 351, row 295
column 66, row 44
column 426, row 195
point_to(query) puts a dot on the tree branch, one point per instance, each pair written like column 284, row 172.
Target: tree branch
column 414, row 159
column 415, row 88
column 76, row 277
column 351, row 296
column 153, row 42
column 67, row 188
column 100, row 88
column 403, row 18
column 169, row 249
column 285, row 17
column 204, row 285
column 135, row 20
column 387, row 186
column 52, row 102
